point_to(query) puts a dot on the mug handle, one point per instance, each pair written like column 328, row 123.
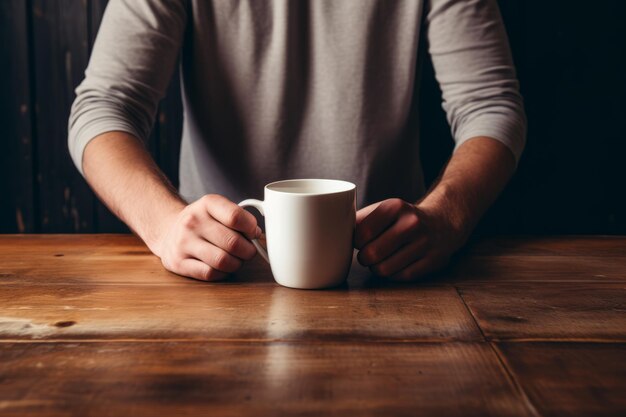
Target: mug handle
column 259, row 206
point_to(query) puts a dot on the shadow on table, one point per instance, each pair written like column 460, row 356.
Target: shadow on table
column 257, row 271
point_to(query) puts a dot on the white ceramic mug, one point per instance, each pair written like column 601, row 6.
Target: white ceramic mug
column 309, row 226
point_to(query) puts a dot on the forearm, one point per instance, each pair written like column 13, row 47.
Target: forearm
column 127, row 180
column 471, row 181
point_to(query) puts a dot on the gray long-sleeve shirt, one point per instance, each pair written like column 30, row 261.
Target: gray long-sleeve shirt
column 299, row 89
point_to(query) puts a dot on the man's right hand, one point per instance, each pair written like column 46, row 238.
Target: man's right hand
column 208, row 239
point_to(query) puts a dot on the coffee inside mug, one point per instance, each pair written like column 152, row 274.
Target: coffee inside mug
column 315, row 187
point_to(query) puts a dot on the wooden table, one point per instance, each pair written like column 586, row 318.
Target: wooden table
column 93, row 325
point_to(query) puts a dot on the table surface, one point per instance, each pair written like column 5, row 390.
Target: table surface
column 93, row 325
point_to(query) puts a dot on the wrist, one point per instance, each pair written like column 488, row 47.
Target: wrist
column 452, row 207
column 154, row 230
column 128, row 181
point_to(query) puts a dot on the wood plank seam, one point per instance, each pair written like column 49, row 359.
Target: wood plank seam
column 514, row 381
column 469, row 311
column 503, row 365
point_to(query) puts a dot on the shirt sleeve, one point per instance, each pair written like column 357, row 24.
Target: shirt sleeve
column 473, row 65
column 130, row 67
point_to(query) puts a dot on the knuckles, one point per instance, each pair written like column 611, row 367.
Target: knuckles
column 368, row 255
column 208, row 198
column 209, row 274
column 232, row 218
column 380, row 270
column 412, row 221
column 188, row 220
column 235, row 217
column 166, row 264
column 220, row 261
column 372, row 254
column 225, row 263
column 172, row 262
column 205, row 274
column 403, row 276
column 232, row 243
column 394, row 205
column 390, row 208
column 249, row 254
column 236, row 245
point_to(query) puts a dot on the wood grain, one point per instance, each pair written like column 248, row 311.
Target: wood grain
column 60, row 34
column 93, row 325
column 17, row 182
column 570, row 379
column 540, row 259
column 537, row 268
column 549, row 310
column 232, row 311
column 106, row 259
column 147, row 379
column 571, row 246
column 74, row 259
column 88, row 258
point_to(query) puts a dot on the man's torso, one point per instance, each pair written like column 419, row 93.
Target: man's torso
column 301, row 89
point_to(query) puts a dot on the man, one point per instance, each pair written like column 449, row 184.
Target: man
column 298, row 89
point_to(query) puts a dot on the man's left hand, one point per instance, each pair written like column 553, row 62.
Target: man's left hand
column 404, row 241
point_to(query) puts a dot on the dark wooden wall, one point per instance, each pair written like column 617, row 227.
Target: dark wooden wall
column 571, row 62
column 45, row 49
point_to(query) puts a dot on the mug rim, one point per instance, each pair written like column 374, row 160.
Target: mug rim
column 350, row 187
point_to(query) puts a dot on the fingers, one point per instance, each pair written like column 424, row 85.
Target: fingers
column 394, row 241
column 404, row 257
column 196, row 269
column 377, row 221
column 213, row 256
column 206, row 241
column 403, row 231
column 231, row 215
column 402, row 241
column 228, row 240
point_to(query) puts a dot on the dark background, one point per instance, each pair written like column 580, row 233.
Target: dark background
column 570, row 57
